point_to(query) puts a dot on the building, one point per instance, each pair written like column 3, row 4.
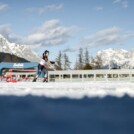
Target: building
column 18, row 70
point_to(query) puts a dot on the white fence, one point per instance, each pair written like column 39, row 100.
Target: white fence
column 91, row 75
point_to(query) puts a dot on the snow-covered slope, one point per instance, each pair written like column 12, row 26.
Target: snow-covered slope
column 67, row 89
column 19, row 50
column 116, row 58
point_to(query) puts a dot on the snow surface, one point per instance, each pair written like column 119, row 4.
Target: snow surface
column 73, row 90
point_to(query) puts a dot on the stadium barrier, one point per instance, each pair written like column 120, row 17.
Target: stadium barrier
column 91, row 75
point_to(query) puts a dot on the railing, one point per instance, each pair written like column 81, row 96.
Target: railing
column 21, row 73
column 86, row 75
column 91, row 75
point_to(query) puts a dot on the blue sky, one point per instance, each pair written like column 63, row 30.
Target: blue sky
column 68, row 25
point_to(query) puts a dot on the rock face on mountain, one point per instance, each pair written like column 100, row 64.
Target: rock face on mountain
column 21, row 51
column 6, row 57
column 116, row 58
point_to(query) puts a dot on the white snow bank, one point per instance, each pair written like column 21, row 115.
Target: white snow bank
column 70, row 90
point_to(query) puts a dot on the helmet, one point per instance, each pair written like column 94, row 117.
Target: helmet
column 46, row 51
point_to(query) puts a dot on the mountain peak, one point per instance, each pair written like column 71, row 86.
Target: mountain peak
column 22, row 51
column 116, row 58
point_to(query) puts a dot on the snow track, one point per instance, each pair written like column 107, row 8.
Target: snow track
column 70, row 90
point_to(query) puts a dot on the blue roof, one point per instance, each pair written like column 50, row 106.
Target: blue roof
column 17, row 65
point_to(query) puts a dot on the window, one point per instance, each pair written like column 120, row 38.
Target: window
column 75, row 76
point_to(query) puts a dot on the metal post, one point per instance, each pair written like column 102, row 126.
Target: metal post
column 48, row 77
column 118, row 76
column 82, row 78
column 59, row 77
column 94, row 77
column 71, row 77
column 106, row 77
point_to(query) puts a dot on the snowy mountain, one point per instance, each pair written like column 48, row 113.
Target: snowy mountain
column 23, row 51
column 116, row 58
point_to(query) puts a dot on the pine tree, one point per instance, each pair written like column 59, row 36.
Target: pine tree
column 98, row 62
column 66, row 62
column 87, row 65
column 76, row 66
column 59, row 61
column 80, row 63
column 87, row 57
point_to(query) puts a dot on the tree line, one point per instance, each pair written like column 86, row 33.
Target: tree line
column 83, row 61
column 63, row 62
